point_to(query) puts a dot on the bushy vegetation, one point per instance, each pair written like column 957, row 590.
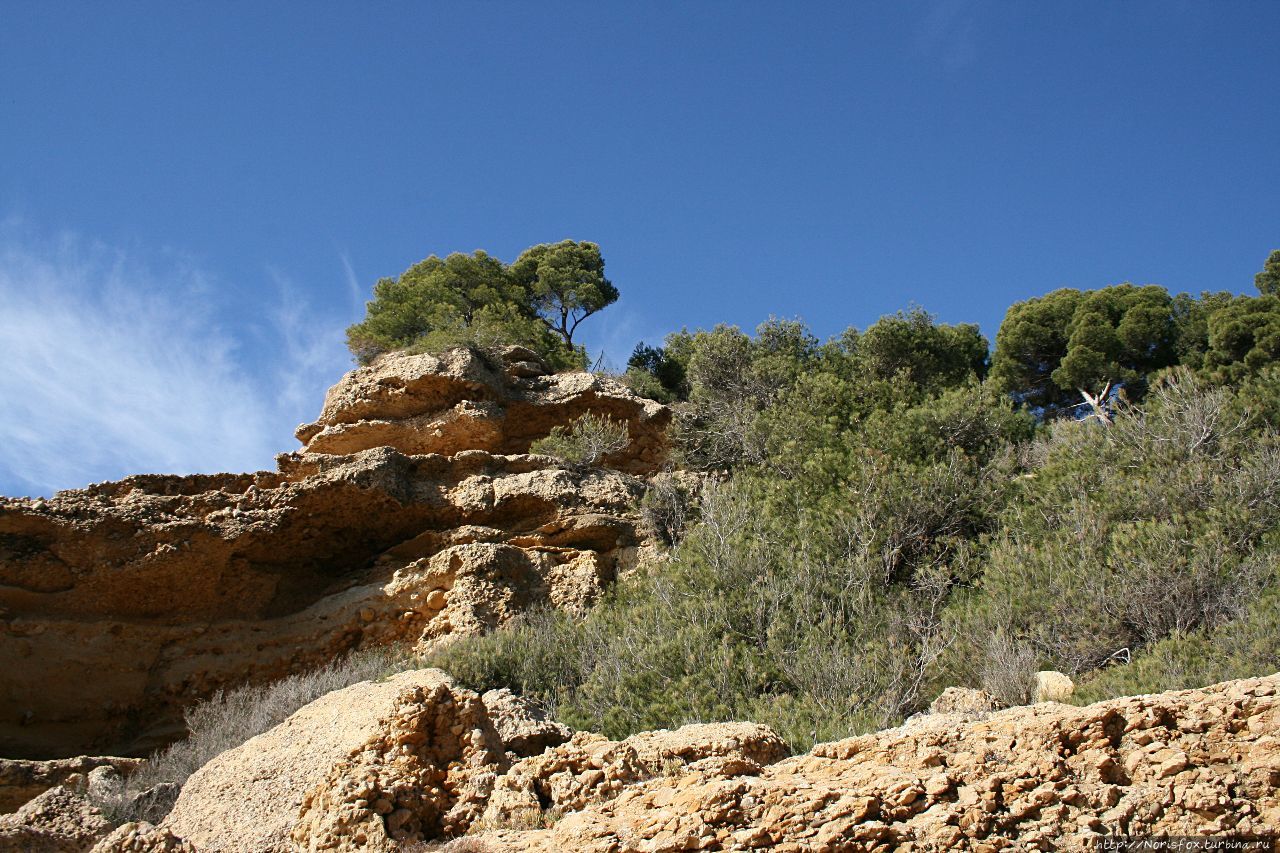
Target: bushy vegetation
column 476, row 300
column 586, row 441
column 228, row 719
column 865, row 521
column 889, row 513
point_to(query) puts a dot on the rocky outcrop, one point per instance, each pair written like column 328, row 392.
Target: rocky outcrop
column 57, row 821
column 123, row 602
column 501, row 403
column 965, row 701
column 22, row 780
column 417, row 758
column 1046, row 776
column 141, row 837
column 524, row 728
column 592, row 769
column 364, row 768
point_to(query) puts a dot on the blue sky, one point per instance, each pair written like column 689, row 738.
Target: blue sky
column 195, row 198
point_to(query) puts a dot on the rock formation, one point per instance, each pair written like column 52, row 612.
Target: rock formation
column 378, row 765
column 57, row 821
column 592, row 769
column 361, row 768
column 22, row 780
column 414, row 758
column 149, row 593
column 436, row 404
column 524, row 728
column 1045, row 776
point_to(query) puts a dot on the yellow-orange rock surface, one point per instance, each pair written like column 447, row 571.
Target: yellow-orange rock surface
column 1046, row 776
column 466, row 399
column 124, row 602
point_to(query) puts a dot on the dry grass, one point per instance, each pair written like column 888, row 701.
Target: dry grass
column 229, row 718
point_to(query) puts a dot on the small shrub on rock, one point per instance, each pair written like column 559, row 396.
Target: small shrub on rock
column 586, row 441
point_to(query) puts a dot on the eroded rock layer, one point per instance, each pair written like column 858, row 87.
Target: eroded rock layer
column 123, row 602
column 500, row 403
column 1040, row 777
column 381, row 765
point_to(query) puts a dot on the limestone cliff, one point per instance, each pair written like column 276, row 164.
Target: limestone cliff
column 413, row 512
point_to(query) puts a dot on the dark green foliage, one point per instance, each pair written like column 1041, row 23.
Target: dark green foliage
column 1268, row 278
column 564, row 283
column 654, row 370
column 1244, row 337
column 1051, row 348
column 477, row 300
column 782, row 399
column 911, row 347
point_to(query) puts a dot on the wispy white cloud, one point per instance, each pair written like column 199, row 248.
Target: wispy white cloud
column 116, row 364
column 614, row 333
column 355, row 290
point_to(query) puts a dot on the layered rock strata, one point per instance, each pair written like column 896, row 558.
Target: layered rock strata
column 500, row 403
column 123, row 602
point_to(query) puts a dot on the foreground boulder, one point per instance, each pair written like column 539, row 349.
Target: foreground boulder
column 1047, row 776
column 364, row 768
column 122, row 603
column 524, row 728
column 57, row 821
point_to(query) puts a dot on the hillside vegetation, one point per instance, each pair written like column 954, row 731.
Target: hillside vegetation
column 892, row 512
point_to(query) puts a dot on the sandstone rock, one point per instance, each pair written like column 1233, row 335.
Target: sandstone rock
column 591, row 769
column 155, row 803
column 1053, row 686
column 523, row 727
column 57, row 820
column 464, row 399
column 22, row 780
column 367, row 768
column 142, row 837
column 1046, row 776
column 147, row 594
column 965, row 701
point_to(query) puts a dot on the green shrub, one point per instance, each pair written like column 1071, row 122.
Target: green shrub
column 476, row 300
column 586, row 442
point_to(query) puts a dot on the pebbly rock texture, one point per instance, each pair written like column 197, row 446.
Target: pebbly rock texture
column 363, row 768
column 965, row 701
column 22, row 780
column 1046, row 776
column 141, row 837
column 524, row 728
column 592, row 769
column 57, row 821
column 149, row 593
column 465, row 399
